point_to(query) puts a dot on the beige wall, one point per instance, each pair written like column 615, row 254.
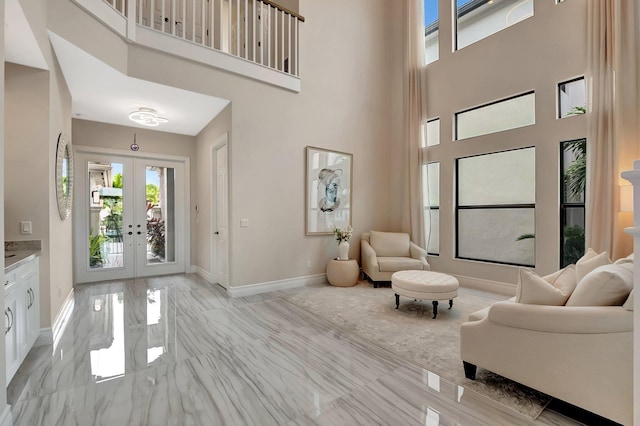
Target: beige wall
column 111, row 136
column 348, row 103
column 206, row 192
column 535, row 54
column 30, row 162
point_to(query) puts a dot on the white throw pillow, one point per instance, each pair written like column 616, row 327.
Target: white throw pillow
column 628, row 305
column 590, row 261
column 552, row 289
column 607, row 285
column 628, row 259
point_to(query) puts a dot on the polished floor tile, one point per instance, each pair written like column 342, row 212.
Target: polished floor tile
column 176, row 350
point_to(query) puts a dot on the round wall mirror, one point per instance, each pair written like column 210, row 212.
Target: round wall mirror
column 64, row 175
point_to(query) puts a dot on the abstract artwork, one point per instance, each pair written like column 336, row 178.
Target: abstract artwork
column 328, row 187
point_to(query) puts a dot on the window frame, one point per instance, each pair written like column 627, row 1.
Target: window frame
column 567, row 205
column 559, row 100
column 485, row 207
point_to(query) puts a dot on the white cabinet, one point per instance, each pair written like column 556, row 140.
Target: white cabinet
column 21, row 313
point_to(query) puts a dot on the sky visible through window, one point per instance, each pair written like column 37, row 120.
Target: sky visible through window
column 431, row 10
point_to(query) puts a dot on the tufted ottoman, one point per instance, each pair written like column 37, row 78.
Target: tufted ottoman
column 425, row 285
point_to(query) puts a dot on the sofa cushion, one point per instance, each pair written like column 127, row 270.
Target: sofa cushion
column 395, row 264
column 390, row 244
column 552, row 289
column 590, row 261
column 607, row 285
column 628, row 305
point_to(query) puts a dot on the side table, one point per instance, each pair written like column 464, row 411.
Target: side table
column 343, row 273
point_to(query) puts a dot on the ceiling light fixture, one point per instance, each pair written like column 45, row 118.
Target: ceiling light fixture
column 147, row 117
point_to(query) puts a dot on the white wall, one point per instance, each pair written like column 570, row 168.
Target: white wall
column 535, row 54
column 351, row 101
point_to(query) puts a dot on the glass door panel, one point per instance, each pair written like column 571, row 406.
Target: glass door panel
column 106, row 205
column 160, row 207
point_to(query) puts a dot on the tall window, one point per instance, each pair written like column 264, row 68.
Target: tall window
column 477, row 19
column 431, row 44
column 431, row 200
column 506, row 114
column 495, row 207
column 573, row 170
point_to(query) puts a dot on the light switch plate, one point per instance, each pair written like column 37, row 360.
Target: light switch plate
column 244, row 223
column 25, row 228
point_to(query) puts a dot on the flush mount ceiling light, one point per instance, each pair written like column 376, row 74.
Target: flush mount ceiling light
column 147, row 117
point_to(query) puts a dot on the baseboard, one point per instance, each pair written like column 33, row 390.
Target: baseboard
column 251, row 289
column 6, row 419
column 487, row 285
column 45, row 337
column 204, row 274
column 62, row 319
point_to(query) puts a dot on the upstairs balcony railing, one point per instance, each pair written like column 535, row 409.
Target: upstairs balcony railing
column 258, row 31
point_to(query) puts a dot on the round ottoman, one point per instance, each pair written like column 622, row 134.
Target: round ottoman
column 425, row 285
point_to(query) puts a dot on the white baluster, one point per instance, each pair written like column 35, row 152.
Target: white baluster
column 297, row 51
column 173, row 17
column 255, row 38
column 281, row 65
column 203, row 24
column 193, row 20
column 211, row 22
column 152, row 12
column 164, row 15
column 289, row 55
column 246, row 29
column 139, row 11
column 269, row 33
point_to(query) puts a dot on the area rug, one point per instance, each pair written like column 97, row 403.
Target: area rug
column 411, row 333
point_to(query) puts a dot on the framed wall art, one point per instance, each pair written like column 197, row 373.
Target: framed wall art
column 328, row 190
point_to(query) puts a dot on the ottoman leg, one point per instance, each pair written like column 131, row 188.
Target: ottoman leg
column 397, row 300
column 450, row 303
column 435, row 309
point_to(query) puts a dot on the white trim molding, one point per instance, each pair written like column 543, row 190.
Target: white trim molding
column 6, row 419
column 61, row 321
column 204, row 274
column 258, row 288
column 45, row 337
column 487, row 285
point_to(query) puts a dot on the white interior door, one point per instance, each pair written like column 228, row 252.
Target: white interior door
column 221, row 218
column 129, row 217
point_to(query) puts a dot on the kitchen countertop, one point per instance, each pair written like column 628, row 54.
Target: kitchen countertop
column 20, row 258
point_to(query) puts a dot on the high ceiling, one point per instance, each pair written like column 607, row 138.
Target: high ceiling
column 100, row 92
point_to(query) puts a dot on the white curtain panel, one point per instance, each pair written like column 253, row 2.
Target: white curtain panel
column 613, row 123
column 414, row 66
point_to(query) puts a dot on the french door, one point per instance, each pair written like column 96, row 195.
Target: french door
column 129, row 217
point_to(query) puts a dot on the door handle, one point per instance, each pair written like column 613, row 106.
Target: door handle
column 216, row 233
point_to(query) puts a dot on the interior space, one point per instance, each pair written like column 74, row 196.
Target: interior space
column 302, row 212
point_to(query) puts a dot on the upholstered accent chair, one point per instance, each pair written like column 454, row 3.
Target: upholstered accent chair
column 383, row 253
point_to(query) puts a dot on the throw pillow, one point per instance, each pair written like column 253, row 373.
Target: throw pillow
column 607, row 285
column 564, row 280
column 628, row 305
column 590, row 261
column 628, row 259
column 535, row 290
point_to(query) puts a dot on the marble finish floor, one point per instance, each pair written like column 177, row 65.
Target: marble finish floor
column 176, row 350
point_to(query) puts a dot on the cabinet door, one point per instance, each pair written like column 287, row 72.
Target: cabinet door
column 32, row 328
column 12, row 347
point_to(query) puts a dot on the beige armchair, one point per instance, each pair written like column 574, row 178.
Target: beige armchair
column 383, row 253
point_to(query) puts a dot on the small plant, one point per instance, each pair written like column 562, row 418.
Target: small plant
column 95, row 253
column 155, row 236
column 343, row 234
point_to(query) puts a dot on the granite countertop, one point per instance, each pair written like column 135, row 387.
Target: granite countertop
column 17, row 258
column 18, row 253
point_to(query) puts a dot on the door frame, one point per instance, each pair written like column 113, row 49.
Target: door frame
column 79, row 210
column 217, row 144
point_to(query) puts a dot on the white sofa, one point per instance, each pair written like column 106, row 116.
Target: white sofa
column 383, row 253
column 582, row 355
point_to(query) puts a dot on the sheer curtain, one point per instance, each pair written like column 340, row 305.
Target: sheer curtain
column 414, row 64
column 613, row 133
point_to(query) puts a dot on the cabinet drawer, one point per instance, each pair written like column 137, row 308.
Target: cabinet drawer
column 10, row 278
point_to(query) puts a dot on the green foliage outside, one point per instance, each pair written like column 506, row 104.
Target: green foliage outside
column 95, row 255
column 117, row 181
column 153, row 194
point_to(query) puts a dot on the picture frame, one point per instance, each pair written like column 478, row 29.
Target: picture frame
column 328, row 184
